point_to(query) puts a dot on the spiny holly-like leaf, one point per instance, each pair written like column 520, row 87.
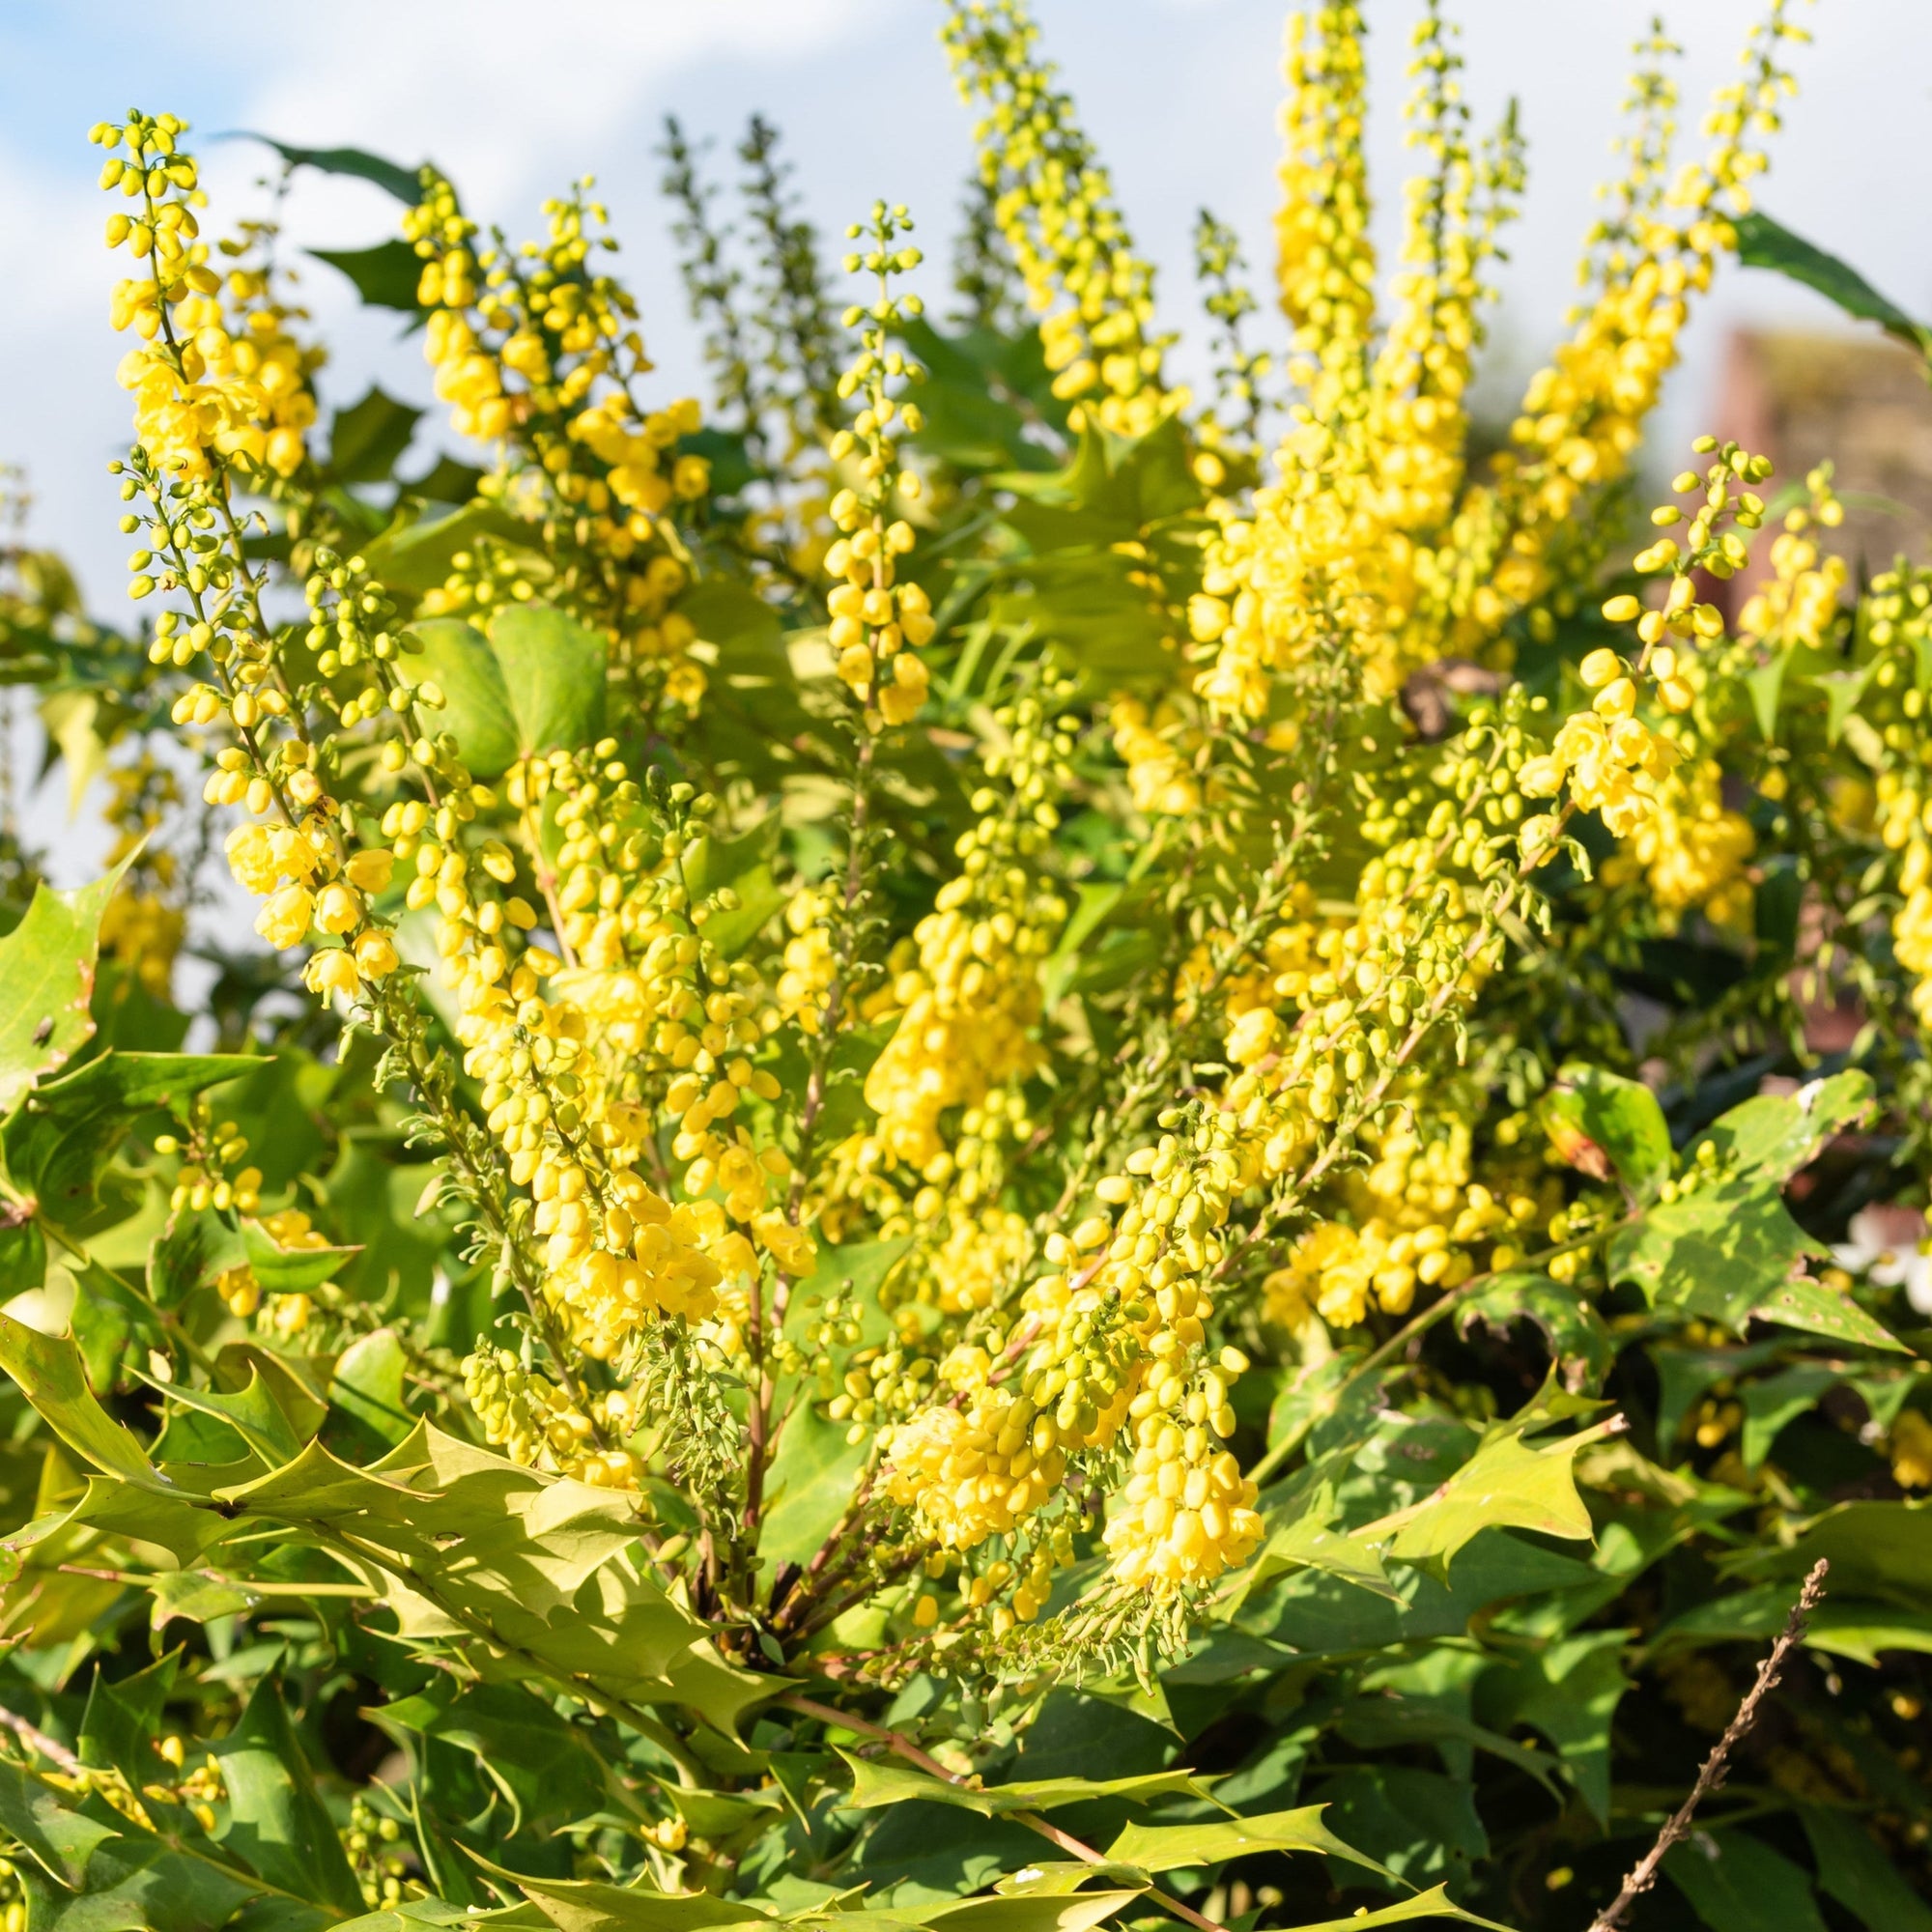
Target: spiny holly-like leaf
column 49, row 1824
column 1505, row 1484
column 277, row 1823
column 61, row 1138
column 1775, row 1135
column 49, row 1372
column 1161, row 1848
column 1717, row 1253
column 880, row 1781
column 46, row 979
column 1819, row 1310
column 1577, row 1339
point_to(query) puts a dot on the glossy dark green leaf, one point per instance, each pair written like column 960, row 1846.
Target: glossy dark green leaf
column 1736, row 1883
column 123, row 1719
column 553, row 675
column 1569, row 1689
column 1854, row 1870
column 386, row 276
column 357, row 163
column 278, row 1824
column 1765, row 243
column 367, row 438
column 810, row 1484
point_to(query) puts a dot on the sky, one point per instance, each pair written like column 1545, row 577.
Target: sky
column 514, row 101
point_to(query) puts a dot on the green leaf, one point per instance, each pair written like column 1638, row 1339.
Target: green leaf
column 880, row 1781
column 515, row 1570
column 415, row 554
column 1435, row 1903
column 1717, row 1253
column 1819, row 1310
column 553, row 674
column 1621, row 1117
column 810, row 1484
column 123, row 1717
column 1423, row 1825
column 1765, row 243
column 385, row 276
column 1736, row 1883
column 1765, row 684
column 49, row 1369
column 368, row 1385
column 284, row 1270
column 592, row 1905
column 1577, row 1339
column 47, row 1823
column 456, row 656
column 1860, row 1876
column 1878, row 1549
column 1569, row 1691
column 189, row 1252
column 277, row 1823
column 1775, row 1135
column 1505, row 1484
column 405, row 183
column 58, row 1142
column 252, row 1413
column 1161, row 1848
column 1778, row 1399
column 548, row 1765
column 46, row 979
column 366, row 438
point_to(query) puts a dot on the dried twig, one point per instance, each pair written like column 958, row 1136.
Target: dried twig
column 1677, row 1827
column 38, row 1741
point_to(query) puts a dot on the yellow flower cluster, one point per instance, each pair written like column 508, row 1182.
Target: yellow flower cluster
column 539, row 1425
column 1613, row 762
column 878, row 621
column 1054, row 204
column 1154, row 749
column 1691, row 850
column 538, row 350
column 1582, row 416
column 970, row 1004
column 202, row 381
column 1366, row 533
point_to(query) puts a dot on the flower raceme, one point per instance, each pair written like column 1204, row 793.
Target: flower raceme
column 866, row 1133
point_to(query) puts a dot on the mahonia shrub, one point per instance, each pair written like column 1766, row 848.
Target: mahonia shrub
column 1009, row 1146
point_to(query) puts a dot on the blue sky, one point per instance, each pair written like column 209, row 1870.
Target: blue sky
column 515, row 99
